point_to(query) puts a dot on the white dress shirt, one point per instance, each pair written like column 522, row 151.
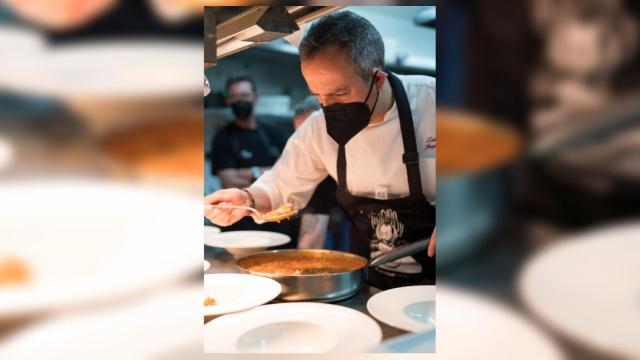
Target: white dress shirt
column 374, row 155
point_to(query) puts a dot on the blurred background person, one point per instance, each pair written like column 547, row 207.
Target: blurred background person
column 244, row 148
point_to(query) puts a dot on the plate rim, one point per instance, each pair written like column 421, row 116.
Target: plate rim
column 401, row 325
column 375, row 327
column 210, row 311
column 578, row 239
column 285, row 239
column 88, row 295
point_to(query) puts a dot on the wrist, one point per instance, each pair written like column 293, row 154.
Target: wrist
column 250, row 199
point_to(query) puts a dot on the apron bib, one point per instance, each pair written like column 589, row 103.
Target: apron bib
column 378, row 225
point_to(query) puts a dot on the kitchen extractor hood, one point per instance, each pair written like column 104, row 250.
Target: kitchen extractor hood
column 232, row 29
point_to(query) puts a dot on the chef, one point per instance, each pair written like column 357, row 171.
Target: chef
column 375, row 135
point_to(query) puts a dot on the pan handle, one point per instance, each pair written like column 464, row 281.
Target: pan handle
column 400, row 252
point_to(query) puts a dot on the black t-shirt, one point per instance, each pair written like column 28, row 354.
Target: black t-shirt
column 236, row 148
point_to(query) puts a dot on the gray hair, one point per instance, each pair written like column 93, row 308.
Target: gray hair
column 348, row 31
column 310, row 103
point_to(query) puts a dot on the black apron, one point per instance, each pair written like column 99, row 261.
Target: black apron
column 391, row 223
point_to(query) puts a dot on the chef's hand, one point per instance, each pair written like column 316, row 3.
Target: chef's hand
column 431, row 248
column 60, row 14
column 226, row 217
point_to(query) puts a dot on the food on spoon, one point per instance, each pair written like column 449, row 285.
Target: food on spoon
column 13, row 271
column 209, row 301
column 284, row 211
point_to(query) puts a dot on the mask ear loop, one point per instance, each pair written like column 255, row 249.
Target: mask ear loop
column 369, row 93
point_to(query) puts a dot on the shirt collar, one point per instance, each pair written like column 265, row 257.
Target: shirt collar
column 392, row 114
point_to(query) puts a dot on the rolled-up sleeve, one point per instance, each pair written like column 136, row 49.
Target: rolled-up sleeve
column 297, row 173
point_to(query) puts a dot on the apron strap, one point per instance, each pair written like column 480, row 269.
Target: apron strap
column 410, row 158
column 342, row 169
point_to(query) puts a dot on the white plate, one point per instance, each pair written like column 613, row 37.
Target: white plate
column 410, row 308
column 241, row 243
column 207, row 265
column 292, row 328
column 160, row 323
column 237, row 292
column 210, row 232
column 17, row 43
column 88, row 241
column 474, row 326
column 588, row 288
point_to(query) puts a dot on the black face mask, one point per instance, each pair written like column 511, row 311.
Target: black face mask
column 345, row 120
column 242, row 109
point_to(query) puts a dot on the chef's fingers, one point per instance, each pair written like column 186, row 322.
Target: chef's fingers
column 431, row 251
column 210, row 211
column 238, row 214
column 216, row 215
column 216, row 197
column 223, row 219
column 229, row 196
column 213, row 215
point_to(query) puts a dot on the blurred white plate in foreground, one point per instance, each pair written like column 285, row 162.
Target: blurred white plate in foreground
column 108, row 69
column 210, row 231
column 236, row 292
column 111, row 83
column 207, row 265
column 588, row 288
column 154, row 325
column 87, row 241
column 246, row 242
column 410, row 308
column 472, row 326
column 292, row 328
column 18, row 43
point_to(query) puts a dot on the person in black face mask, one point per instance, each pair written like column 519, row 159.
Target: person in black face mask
column 245, row 148
column 375, row 136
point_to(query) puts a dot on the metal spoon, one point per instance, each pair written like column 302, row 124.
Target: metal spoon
column 257, row 216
